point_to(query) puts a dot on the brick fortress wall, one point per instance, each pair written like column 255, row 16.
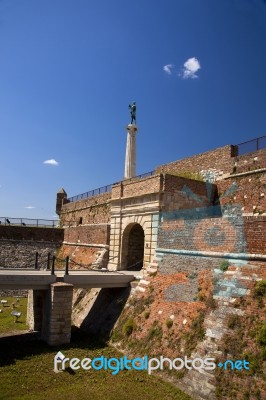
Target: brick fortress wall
column 93, row 210
column 86, row 231
column 239, row 179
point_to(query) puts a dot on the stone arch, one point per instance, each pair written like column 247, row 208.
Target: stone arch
column 133, row 239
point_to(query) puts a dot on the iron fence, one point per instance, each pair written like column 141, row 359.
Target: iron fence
column 252, row 145
column 91, row 193
column 49, row 223
column 105, row 189
column 145, row 175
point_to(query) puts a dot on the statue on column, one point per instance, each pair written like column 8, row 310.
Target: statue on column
column 133, row 109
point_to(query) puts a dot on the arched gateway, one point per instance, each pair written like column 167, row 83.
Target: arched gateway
column 133, row 247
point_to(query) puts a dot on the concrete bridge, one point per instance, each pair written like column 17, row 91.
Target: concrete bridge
column 50, row 296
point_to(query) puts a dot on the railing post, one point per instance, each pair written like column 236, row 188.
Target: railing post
column 36, row 260
column 48, row 261
column 53, row 263
column 67, row 264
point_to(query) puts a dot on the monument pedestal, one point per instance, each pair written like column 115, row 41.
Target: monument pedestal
column 130, row 162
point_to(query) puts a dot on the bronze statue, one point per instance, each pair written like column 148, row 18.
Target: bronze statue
column 133, row 109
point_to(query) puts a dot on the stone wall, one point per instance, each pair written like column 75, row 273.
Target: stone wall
column 195, row 230
column 22, row 254
column 248, row 190
column 219, row 161
column 255, row 232
column 93, row 210
column 183, row 193
column 89, row 234
column 221, row 234
column 28, row 233
column 250, row 161
column 80, row 257
column 217, row 164
column 137, row 187
column 86, row 245
column 18, row 247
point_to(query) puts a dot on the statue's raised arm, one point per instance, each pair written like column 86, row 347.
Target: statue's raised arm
column 133, row 109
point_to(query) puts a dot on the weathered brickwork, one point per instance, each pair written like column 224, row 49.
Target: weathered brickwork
column 31, row 233
column 249, row 191
column 90, row 234
column 220, row 160
column 250, row 161
column 194, row 232
column 56, row 329
column 137, row 187
column 255, row 232
column 80, row 257
column 182, row 193
column 93, row 210
column 217, row 164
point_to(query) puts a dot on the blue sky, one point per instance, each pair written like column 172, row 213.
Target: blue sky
column 69, row 69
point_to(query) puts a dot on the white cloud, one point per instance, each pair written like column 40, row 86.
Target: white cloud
column 168, row 68
column 30, row 207
column 191, row 67
column 51, row 162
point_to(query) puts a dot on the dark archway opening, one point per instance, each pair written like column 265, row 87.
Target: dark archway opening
column 133, row 247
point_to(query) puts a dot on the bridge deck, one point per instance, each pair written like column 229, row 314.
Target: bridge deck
column 36, row 279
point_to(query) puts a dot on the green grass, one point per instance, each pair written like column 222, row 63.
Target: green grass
column 7, row 321
column 26, row 371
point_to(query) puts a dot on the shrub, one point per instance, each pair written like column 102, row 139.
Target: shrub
column 211, row 303
column 196, row 333
column 224, row 266
column 261, row 337
column 155, row 332
column 116, row 335
column 260, row 289
column 146, row 314
column 233, row 321
column 128, row 327
column 169, row 323
column 201, row 297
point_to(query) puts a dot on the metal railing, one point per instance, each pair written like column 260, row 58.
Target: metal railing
column 50, row 223
column 91, row 193
column 252, row 145
column 145, row 175
column 105, row 189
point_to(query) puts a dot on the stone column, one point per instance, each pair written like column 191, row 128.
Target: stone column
column 59, row 315
column 130, row 162
column 34, row 309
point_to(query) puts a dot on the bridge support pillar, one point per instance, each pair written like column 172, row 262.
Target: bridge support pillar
column 57, row 327
column 34, row 309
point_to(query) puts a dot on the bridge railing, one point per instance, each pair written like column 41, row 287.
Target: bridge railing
column 49, row 223
column 54, row 264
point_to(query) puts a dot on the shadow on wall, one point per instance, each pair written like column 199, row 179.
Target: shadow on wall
column 105, row 311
